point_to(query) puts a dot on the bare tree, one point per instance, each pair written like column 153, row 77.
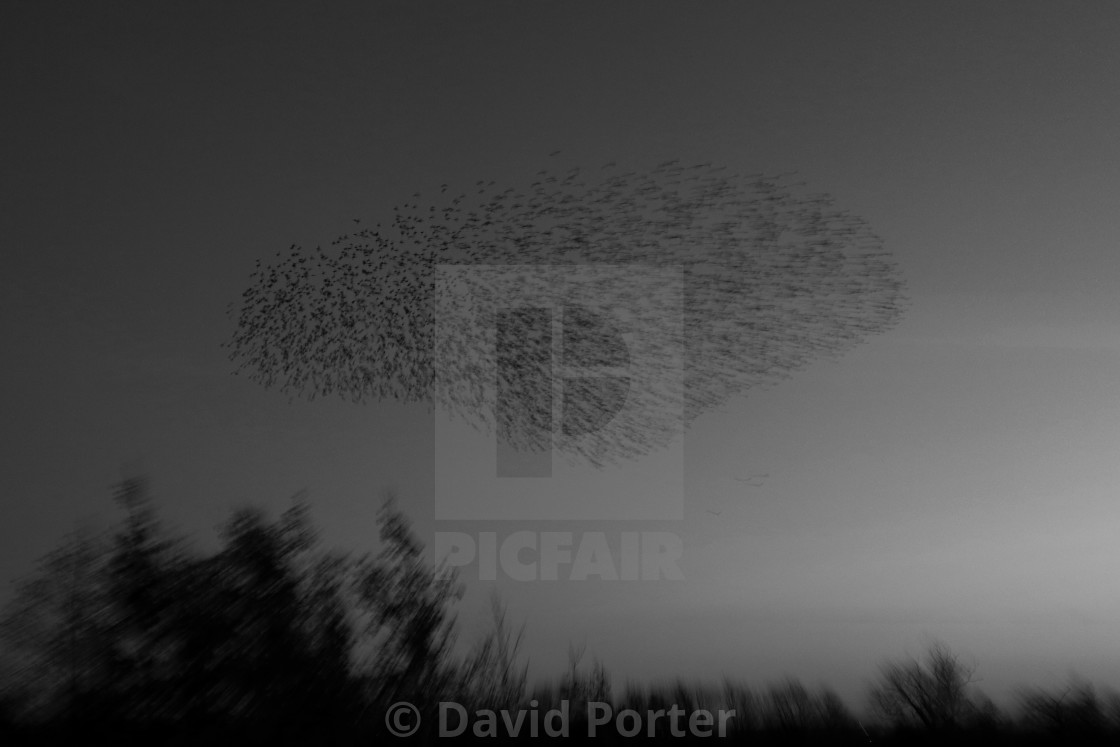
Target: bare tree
column 1076, row 709
column 934, row 693
column 789, row 706
column 580, row 685
column 492, row 674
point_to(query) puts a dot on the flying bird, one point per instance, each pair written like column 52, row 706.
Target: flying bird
column 720, row 283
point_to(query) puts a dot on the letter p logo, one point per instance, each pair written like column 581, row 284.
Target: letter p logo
column 586, row 392
column 587, row 382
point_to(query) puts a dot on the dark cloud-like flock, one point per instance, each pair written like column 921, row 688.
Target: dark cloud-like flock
column 717, row 283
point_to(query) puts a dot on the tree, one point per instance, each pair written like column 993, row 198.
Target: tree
column 934, row 694
column 1075, row 711
column 143, row 578
column 581, row 686
column 128, row 630
column 789, row 706
column 264, row 639
column 492, row 675
column 57, row 629
column 406, row 601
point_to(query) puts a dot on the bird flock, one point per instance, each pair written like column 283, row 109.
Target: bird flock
column 716, row 282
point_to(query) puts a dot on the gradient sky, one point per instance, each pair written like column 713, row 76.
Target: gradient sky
column 955, row 477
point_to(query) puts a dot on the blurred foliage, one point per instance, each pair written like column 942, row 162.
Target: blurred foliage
column 407, row 603
column 131, row 637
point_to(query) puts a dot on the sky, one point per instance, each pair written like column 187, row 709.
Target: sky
column 953, row 478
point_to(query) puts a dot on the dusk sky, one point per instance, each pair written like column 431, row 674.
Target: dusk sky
column 955, row 477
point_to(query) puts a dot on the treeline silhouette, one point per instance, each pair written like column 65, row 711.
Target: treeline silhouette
column 131, row 637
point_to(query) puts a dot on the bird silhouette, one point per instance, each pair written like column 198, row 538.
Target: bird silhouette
column 725, row 283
